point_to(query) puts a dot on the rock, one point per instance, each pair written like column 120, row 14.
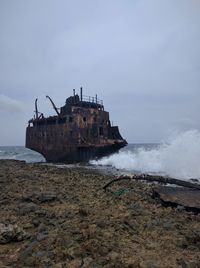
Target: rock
column 182, row 243
column 36, row 222
column 83, row 212
column 43, row 253
column 101, row 223
column 193, row 248
column 87, row 262
column 194, row 264
column 11, row 233
column 168, row 225
column 113, row 255
column 3, row 180
column 151, row 265
column 147, row 264
column 178, row 197
column 26, row 208
column 75, row 263
column 193, row 238
column 28, row 226
column 53, row 223
column 136, row 209
column 180, row 208
column 59, row 265
column 41, row 236
column 27, row 198
column 28, row 251
column 47, row 197
column 4, row 202
column 182, row 263
column 41, row 212
column 42, row 228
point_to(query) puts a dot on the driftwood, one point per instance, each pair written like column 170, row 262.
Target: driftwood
column 152, row 178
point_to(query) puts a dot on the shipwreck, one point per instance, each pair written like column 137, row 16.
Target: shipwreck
column 80, row 131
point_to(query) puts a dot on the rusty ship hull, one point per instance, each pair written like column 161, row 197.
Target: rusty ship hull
column 80, row 131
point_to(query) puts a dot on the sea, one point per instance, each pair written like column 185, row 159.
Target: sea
column 177, row 157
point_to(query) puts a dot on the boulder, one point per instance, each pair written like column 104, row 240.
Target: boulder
column 11, row 233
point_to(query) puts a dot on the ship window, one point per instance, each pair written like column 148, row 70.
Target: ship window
column 70, row 119
column 84, row 119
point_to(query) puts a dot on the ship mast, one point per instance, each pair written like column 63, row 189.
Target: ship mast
column 36, row 109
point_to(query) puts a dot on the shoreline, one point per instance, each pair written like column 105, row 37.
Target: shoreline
column 63, row 218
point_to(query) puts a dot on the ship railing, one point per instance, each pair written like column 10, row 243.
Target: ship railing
column 92, row 99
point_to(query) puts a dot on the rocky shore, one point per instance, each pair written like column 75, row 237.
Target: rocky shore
column 53, row 217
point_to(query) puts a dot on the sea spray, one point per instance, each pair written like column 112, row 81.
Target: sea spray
column 177, row 157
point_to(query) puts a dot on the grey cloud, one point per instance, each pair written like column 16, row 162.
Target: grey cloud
column 10, row 105
column 142, row 57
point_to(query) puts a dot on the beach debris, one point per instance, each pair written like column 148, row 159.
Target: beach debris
column 187, row 196
column 120, row 191
column 153, row 178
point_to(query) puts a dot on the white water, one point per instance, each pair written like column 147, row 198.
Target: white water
column 178, row 157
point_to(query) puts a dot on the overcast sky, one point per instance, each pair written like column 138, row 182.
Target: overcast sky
column 142, row 57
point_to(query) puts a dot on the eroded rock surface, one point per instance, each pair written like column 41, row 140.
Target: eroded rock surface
column 78, row 224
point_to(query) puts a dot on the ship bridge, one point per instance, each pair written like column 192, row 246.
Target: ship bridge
column 81, row 101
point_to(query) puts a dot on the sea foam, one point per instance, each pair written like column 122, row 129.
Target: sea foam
column 178, row 157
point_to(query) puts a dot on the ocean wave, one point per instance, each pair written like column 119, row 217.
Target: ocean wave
column 178, row 157
column 20, row 153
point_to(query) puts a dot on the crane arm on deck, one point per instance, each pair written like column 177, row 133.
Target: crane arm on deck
column 54, row 106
